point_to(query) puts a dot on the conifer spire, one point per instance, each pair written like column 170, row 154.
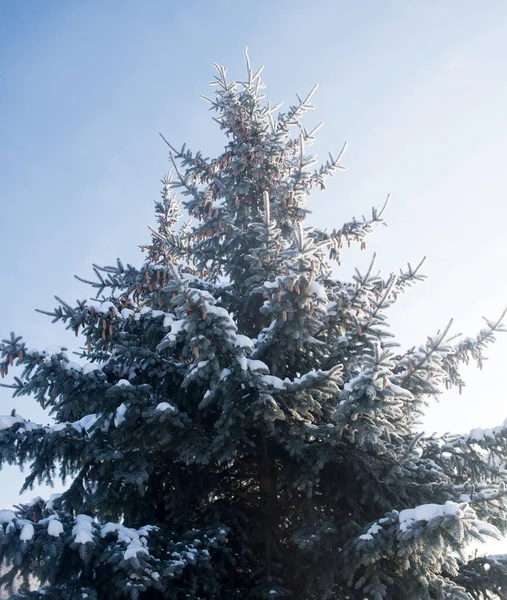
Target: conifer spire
column 241, row 422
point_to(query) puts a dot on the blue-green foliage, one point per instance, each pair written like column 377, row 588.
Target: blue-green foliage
column 240, row 424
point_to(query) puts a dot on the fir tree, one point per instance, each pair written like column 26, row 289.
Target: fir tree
column 240, row 424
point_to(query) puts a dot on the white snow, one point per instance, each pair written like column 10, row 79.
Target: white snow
column 427, row 512
column 168, row 320
column 55, row 528
column 201, row 364
column 29, row 426
column 196, row 295
column 243, row 341
column 6, row 516
column 307, row 378
column 211, row 309
column 373, row 530
column 163, row 406
column 311, row 340
column 489, row 529
column 242, row 362
column 59, row 427
column 356, row 382
column 123, row 383
column 257, row 365
column 135, row 539
column 133, row 549
column 331, row 308
column 82, row 530
column 109, row 528
column 225, row 373
column 481, row 435
column 273, row 381
column 86, row 422
column 399, row 391
column 52, row 499
column 9, row 421
column 177, row 325
column 90, row 367
column 119, row 415
column 127, row 313
column 476, row 435
column 105, row 307
column 318, row 290
column 27, row 532
column 72, row 366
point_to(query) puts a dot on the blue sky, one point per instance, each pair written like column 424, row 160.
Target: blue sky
column 417, row 88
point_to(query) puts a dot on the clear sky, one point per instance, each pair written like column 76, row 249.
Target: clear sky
column 418, row 88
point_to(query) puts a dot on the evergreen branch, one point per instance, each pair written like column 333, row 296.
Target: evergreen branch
column 296, row 112
column 329, row 167
column 248, row 66
column 171, row 147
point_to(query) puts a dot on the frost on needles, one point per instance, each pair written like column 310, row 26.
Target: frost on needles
column 239, row 423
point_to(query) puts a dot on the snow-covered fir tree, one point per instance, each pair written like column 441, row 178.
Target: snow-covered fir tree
column 240, row 424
